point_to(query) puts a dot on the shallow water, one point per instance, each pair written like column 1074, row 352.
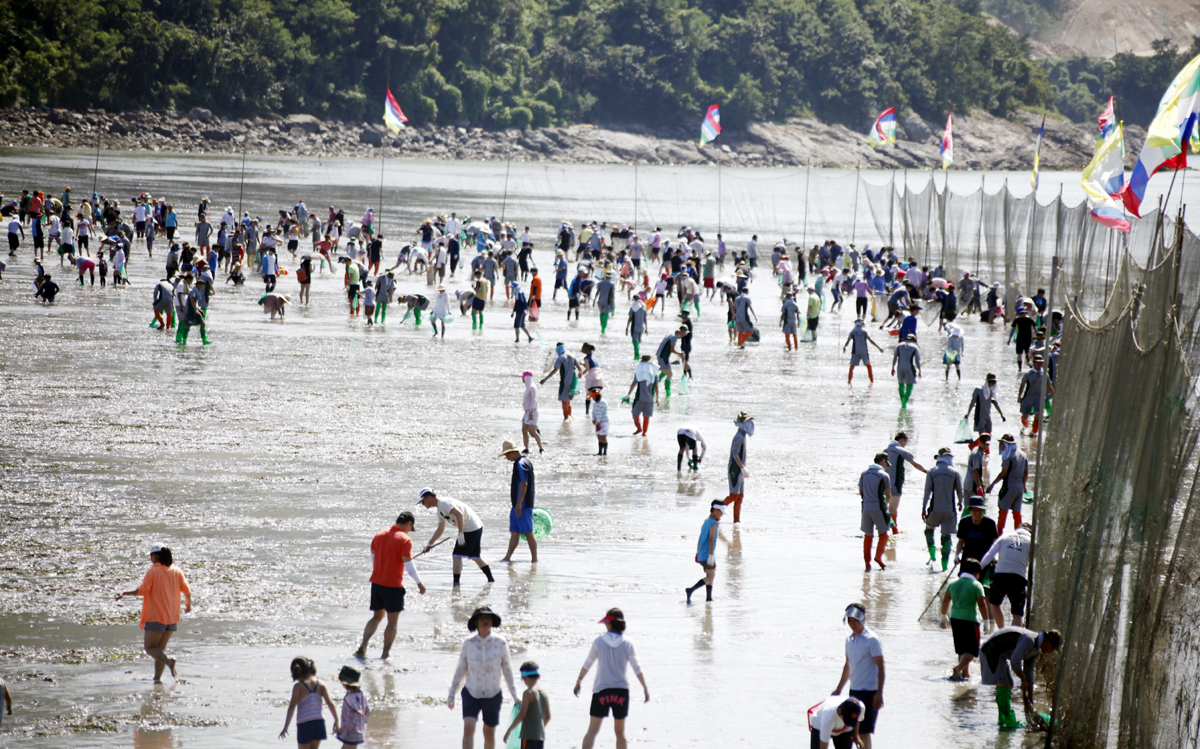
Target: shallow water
column 267, row 460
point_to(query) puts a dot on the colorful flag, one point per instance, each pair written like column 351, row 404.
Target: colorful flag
column 1167, row 138
column 711, row 127
column 1104, row 178
column 1037, row 155
column 393, row 116
column 883, row 132
column 1108, row 121
column 948, row 142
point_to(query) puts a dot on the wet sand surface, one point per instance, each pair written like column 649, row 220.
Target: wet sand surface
column 267, row 460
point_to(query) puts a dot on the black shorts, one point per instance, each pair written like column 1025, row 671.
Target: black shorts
column 839, row 741
column 616, row 700
column 1010, row 586
column 812, row 322
column 966, row 637
column 533, row 744
column 39, row 241
column 866, row 696
column 352, row 292
column 686, row 443
column 469, row 548
column 293, row 244
column 387, row 598
column 490, row 707
column 14, row 241
column 572, row 302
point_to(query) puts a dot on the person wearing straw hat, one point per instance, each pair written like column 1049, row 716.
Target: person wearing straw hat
column 907, row 360
column 469, row 540
column 1013, row 478
column 610, row 691
column 529, row 418
column 863, row 670
column 737, row 464
column 635, row 327
column 1034, row 384
column 606, row 299
column 391, row 556
column 441, row 310
column 522, row 494
column 484, row 659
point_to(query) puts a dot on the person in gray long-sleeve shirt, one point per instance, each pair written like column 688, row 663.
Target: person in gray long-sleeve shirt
column 1013, row 649
column 941, row 504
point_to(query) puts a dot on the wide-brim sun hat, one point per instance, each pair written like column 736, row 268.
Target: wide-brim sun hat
column 508, row 447
column 482, row 611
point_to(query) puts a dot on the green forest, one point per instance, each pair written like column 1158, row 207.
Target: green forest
column 532, row 63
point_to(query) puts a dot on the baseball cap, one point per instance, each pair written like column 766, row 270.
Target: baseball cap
column 423, row 493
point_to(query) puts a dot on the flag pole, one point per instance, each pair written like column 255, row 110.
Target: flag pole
column 96, row 171
column 804, row 232
column 854, row 215
column 507, row 169
column 720, row 197
column 635, row 192
column 242, row 186
column 379, row 213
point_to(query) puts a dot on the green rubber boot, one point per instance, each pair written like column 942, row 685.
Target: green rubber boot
column 945, row 552
column 929, row 543
column 637, row 350
column 1008, row 717
column 603, row 323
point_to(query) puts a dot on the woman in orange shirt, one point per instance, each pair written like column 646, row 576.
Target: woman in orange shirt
column 160, row 591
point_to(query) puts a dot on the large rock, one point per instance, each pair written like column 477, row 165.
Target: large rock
column 200, row 114
column 370, row 137
column 219, row 136
column 164, row 132
column 306, row 121
column 116, row 127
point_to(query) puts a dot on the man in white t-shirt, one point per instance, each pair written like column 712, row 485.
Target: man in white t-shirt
column 470, row 531
column 454, row 226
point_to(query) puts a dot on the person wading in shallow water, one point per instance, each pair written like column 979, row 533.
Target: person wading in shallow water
column 391, row 556
column 470, row 532
column 160, row 590
column 523, row 495
column 610, row 690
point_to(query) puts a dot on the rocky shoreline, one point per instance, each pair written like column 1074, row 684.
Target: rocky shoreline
column 980, row 141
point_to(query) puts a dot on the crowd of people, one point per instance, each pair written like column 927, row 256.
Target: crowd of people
column 654, row 272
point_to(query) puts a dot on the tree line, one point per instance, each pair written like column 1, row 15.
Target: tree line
column 525, row 63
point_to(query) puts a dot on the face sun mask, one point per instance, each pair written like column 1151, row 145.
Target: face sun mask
column 559, row 349
column 747, row 427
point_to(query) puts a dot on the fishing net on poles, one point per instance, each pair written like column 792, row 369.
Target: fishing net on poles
column 1117, row 549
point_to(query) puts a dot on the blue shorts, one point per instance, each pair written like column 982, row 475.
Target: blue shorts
column 310, row 731
column 522, row 523
column 490, row 707
column 157, row 627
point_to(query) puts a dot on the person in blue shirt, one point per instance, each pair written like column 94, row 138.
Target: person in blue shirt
column 523, row 495
column 908, row 326
column 706, row 550
column 560, row 274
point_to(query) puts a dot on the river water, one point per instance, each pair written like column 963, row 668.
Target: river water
column 268, row 459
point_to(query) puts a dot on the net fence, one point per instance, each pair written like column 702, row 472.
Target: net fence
column 1117, row 555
